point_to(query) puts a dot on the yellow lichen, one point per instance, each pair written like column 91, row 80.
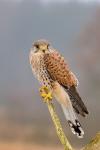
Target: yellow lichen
column 47, row 97
column 94, row 143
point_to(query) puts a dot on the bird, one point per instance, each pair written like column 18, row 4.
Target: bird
column 52, row 71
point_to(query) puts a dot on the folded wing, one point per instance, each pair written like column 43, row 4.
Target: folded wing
column 60, row 72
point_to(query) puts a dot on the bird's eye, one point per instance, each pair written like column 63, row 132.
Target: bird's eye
column 37, row 46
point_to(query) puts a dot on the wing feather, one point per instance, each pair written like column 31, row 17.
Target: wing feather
column 77, row 102
column 60, row 72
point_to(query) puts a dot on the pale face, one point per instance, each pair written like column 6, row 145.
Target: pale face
column 41, row 46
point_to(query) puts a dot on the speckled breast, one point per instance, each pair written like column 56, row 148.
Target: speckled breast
column 39, row 69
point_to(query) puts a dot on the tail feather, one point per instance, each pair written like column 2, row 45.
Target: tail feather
column 76, row 128
column 73, row 122
column 64, row 99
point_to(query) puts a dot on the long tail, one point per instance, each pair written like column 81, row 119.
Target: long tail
column 63, row 98
column 73, row 122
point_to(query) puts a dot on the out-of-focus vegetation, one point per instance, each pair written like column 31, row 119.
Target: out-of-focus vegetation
column 24, row 119
column 24, row 146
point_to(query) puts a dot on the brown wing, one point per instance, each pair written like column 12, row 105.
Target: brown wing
column 59, row 70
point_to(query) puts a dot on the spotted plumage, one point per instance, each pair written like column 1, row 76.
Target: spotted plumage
column 52, row 71
column 59, row 70
column 39, row 69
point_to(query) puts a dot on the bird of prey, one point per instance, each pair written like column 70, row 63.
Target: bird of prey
column 50, row 68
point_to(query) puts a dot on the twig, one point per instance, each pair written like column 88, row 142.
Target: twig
column 47, row 98
column 94, row 143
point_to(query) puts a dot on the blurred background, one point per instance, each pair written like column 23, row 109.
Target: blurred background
column 73, row 27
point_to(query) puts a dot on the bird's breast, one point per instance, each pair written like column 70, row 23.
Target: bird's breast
column 36, row 61
column 39, row 68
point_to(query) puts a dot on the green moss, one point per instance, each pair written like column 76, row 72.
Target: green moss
column 46, row 95
column 58, row 127
column 94, row 143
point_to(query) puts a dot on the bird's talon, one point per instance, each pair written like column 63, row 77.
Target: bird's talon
column 45, row 93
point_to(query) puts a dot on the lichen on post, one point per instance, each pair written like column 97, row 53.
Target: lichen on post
column 47, row 97
column 94, row 143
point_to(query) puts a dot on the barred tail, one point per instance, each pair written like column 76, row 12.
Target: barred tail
column 73, row 122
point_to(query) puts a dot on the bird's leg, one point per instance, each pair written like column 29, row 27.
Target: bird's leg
column 45, row 94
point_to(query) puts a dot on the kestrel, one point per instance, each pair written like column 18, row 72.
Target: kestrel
column 52, row 71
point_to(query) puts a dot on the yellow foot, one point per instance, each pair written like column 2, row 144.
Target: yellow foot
column 45, row 93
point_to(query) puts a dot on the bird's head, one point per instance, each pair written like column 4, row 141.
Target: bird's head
column 41, row 46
